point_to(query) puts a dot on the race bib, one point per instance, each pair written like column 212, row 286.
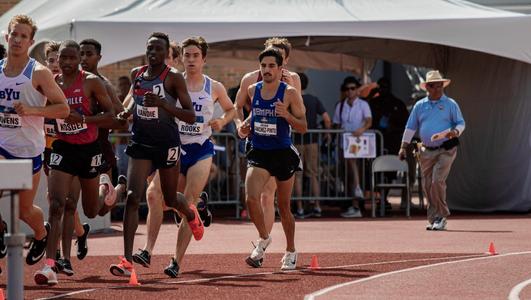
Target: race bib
column 173, row 154
column 147, row 113
column 8, row 120
column 158, row 89
column 96, row 160
column 266, row 126
column 49, row 130
column 55, row 159
column 191, row 129
column 70, row 128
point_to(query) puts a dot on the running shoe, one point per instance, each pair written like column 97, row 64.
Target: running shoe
column 172, row 269
column 46, row 276
column 3, row 245
column 37, row 248
column 196, row 225
column 202, row 208
column 176, row 218
column 110, row 196
column 439, row 224
column 142, row 258
column 82, row 245
column 124, row 268
column 256, row 258
column 289, row 261
column 64, row 266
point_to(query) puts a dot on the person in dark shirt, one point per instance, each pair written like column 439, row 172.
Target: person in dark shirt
column 308, row 146
column 389, row 115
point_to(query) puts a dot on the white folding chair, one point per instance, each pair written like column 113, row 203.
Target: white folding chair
column 388, row 163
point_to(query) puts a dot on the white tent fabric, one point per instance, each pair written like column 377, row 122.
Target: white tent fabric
column 484, row 51
column 453, row 23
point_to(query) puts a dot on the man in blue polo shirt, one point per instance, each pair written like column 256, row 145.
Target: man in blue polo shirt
column 439, row 122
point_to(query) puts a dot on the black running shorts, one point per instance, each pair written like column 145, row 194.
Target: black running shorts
column 161, row 157
column 281, row 163
column 83, row 160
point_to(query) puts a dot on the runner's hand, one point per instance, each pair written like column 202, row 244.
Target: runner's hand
column 153, row 100
column 22, row 109
column 286, row 77
column 244, row 130
column 402, row 154
column 281, row 109
column 216, row 124
column 74, row 117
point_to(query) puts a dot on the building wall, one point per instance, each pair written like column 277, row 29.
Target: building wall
column 6, row 5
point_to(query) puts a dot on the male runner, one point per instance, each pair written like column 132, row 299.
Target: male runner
column 76, row 152
column 51, row 56
column 197, row 150
column 3, row 225
column 267, row 197
column 275, row 108
column 25, row 85
column 155, row 141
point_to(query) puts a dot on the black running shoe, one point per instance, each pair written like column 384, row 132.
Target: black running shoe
column 173, row 269
column 142, row 258
column 204, row 212
column 82, row 246
column 122, row 179
column 38, row 248
column 3, row 245
column 64, row 266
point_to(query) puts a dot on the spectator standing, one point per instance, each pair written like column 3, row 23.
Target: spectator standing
column 353, row 115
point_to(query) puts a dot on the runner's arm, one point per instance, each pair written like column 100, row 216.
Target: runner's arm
column 44, row 82
column 293, row 110
column 186, row 113
column 226, row 105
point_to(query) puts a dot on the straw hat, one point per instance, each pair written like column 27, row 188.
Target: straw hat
column 434, row 76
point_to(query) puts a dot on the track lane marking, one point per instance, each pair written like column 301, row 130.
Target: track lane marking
column 517, row 289
column 270, row 273
column 321, row 292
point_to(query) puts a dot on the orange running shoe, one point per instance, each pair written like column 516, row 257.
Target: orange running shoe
column 196, row 225
column 124, row 268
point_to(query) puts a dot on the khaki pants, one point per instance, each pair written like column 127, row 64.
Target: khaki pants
column 435, row 167
column 310, row 159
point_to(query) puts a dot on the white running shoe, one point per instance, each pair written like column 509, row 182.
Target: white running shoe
column 259, row 250
column 45, row 276
column 439, row 224
column 289, row 261
column 110, row 197
column 352, row 212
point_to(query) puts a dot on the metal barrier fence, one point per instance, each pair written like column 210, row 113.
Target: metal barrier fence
column 335, row 178
column 322, row 154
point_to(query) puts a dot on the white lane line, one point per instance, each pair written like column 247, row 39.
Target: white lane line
column 515, row 292
column 270, row 273
column 321, row 292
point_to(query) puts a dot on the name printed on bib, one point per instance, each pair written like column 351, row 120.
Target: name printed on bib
column 191, row 129
column 49, row 130
column 8, row 120
column 70, row 128
column 147, row 113
column 265, row 126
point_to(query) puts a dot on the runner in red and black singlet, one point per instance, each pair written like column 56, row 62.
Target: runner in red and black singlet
column 76, row 152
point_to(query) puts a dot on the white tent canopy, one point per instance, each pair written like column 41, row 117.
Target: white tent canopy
column 123, row 25
column 484, row 51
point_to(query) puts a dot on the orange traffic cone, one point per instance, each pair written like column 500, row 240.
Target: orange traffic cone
column 133, row 280
column 492, row 250
column 2, row 297
column 314, row 264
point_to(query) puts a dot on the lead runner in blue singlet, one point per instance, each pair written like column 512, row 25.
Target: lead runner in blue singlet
column 155, row 143
column 276, row 107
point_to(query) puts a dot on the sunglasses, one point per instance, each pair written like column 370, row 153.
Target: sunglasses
column 434, row 85
column 352, row 88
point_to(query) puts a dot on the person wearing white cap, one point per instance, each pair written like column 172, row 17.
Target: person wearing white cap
column 439, row 122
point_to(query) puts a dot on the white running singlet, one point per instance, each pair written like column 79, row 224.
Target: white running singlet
column 20, row 136
column 203, row 105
